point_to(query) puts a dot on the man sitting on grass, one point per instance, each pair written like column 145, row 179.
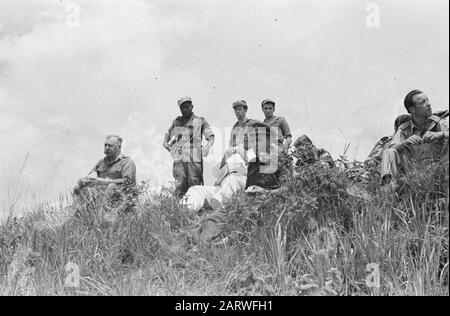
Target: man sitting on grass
column 116, row 173
column 424, row 137
column 231, row 176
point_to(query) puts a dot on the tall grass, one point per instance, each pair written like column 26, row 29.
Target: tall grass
column 315, row 239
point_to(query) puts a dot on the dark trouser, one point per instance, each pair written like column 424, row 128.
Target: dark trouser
column 187, row 175
column 270, row 181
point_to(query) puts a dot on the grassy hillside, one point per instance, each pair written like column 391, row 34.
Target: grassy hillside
column 314, row 240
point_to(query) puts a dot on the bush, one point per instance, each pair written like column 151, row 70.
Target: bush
column 315, row 239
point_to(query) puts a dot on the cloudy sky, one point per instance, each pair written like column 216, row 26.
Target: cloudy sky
column 73, row 72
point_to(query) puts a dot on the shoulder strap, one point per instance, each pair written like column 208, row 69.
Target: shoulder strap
column 405, row 125
column 435, row 118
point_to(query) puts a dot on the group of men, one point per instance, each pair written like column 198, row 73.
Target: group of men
column 258, row 154
column 255, row 141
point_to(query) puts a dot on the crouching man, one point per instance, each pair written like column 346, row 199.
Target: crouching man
column 114, row 176
column 422, row 138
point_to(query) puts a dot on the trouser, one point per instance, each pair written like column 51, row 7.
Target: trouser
column 270, row 181
column 213, row 225
column 395, row 164
column 187, row 175
column 197, row 196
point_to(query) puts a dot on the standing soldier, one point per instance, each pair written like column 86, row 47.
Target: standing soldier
column 239, row 133
column 280, row 124
column 184, row 142
column 283, row 136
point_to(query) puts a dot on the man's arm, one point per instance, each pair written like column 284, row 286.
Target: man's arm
column 400, row 143
column 286, row 134
column 166, row 144
column 439, row 136
column 445, row 129
column 129, row 172
column 209, row 136
column 166, row 141
column 91, row 177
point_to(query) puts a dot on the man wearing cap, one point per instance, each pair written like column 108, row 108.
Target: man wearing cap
column 184, row 141
column 423, row 137
column 283, row 137
column 240, row 133
column 280, row 125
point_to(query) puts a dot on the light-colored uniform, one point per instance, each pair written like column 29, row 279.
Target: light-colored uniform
column 188, row 160
column 399, row 155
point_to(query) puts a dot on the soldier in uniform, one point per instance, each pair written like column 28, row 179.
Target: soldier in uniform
column 240, row 131
column 423, row 137
column 184, row 141
column 278, row 142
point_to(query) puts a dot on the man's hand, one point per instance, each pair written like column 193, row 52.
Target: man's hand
column 413, row 140
column 285, row 147
column 432, row 137
column 205, row 151
column 86, row 181
column 166, row 146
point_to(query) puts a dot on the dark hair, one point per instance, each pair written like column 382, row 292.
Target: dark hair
column 409, row 99
column 242, row 103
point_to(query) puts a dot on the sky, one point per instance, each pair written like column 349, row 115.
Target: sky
column 72, row 72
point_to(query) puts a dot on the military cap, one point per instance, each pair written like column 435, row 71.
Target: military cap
column 240, row 103
column 267, row 101
column 184, row 100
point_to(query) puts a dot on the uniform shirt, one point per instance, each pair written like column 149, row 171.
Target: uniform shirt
column 406, row 130
column 188, row 133
column 240, row 132
column 121, row 168
column 282, row 127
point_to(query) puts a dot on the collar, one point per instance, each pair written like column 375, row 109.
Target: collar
column 185, row 120
column 243, row 123
column 415, row 127
column 119, row 157
column 270, row 120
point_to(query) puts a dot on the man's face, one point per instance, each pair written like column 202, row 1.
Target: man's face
column 186, row 109
column 268, row 109
column 422, row 106
column 112, row 147
column 240, row 112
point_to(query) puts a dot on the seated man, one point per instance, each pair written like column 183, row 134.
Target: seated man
column 376, row 155
column 115, row 174
column 423, row 137
column 231, row 177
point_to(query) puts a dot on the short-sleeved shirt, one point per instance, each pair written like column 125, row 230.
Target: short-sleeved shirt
column 408, row 129
column 240, row 132
column 282, row 127
column 189, row 133
column 121, row 168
